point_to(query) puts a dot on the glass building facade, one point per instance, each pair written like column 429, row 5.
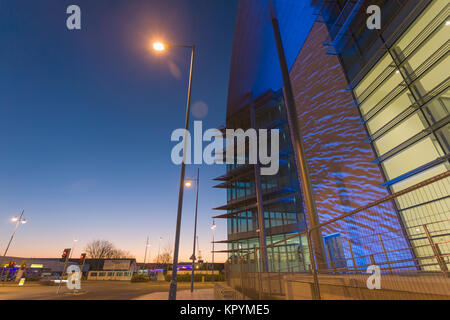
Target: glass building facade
column 399, row 76
column 373, row 110
column 281, row 199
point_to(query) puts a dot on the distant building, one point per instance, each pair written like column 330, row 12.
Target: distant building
column 111, row 269
column 182, row 266
column 39, row 266
column 94, row 269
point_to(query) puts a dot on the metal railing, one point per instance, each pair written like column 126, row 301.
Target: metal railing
column 414, row 262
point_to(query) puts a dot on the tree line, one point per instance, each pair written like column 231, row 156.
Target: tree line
column 104, row 249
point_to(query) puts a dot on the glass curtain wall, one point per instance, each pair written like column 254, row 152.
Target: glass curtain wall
column 282, row 203
column 404, row 100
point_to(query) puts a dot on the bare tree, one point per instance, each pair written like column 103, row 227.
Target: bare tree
column 103, row 249
column 122, row 254
column 99, row 249
column 165, row 256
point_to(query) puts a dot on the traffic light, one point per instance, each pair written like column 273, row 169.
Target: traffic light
column 82, row 258
column 12, row 264
column 65, row 255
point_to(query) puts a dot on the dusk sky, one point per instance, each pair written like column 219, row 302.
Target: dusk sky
column 86, row 118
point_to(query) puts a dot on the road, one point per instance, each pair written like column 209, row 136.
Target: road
column 91, row 290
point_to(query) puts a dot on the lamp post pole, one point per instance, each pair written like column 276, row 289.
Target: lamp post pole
column 159, row 250
column 73, row 247
column 173, row 283
column 145, row 255
column 18, row 222
column 195, row 230
column 213, row 227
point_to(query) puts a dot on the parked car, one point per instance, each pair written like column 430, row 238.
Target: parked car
column 50, row 280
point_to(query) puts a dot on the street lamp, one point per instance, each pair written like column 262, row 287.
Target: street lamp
column 73, row 247
column 160, row 46
column 213, row 227
column 147, row 245
column 18, row 220
column 189, row 184
column 159, row 250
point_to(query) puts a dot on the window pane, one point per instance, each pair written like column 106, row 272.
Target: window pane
column 399, row 134
column 397, row 106
column 415, row 156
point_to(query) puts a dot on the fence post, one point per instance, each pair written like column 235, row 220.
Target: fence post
column 269, row 279
column 436, row 251
column 351, row 252
column 287, row 258
column 227, row 273
column 279, row 270
column 313, row 268
column 279, row 258
column 242, row 280
column 332, row 262
column 385, row 253
column 372, row 259
column 258, row 273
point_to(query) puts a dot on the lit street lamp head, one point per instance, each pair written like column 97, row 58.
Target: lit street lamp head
column 23, row 221
column 159, row 46
column 14, row 219
column 188, row 184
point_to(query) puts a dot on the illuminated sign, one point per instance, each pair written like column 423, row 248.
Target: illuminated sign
column 184, row 267
column 37, row 266
column 22, row 282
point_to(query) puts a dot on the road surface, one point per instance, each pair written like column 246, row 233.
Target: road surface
column 91, row 290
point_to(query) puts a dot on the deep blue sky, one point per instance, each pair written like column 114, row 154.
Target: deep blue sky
column 86, row 118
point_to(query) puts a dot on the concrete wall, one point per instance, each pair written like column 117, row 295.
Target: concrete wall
column 353, row 287
column 407, row 286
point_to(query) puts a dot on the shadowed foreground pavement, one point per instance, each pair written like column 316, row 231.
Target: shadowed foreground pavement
column 198, row 294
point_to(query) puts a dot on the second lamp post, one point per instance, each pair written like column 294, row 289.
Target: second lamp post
column 193, row 258
column 18, row 221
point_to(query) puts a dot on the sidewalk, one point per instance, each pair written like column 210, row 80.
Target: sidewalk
column 198, row 294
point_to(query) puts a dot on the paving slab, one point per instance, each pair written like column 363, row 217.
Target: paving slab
column 199, row 294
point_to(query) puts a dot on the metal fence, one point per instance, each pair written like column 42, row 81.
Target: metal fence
column 413, row 261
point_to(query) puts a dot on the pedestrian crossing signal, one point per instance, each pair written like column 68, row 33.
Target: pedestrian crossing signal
column 65, row 255
column 82, row 259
